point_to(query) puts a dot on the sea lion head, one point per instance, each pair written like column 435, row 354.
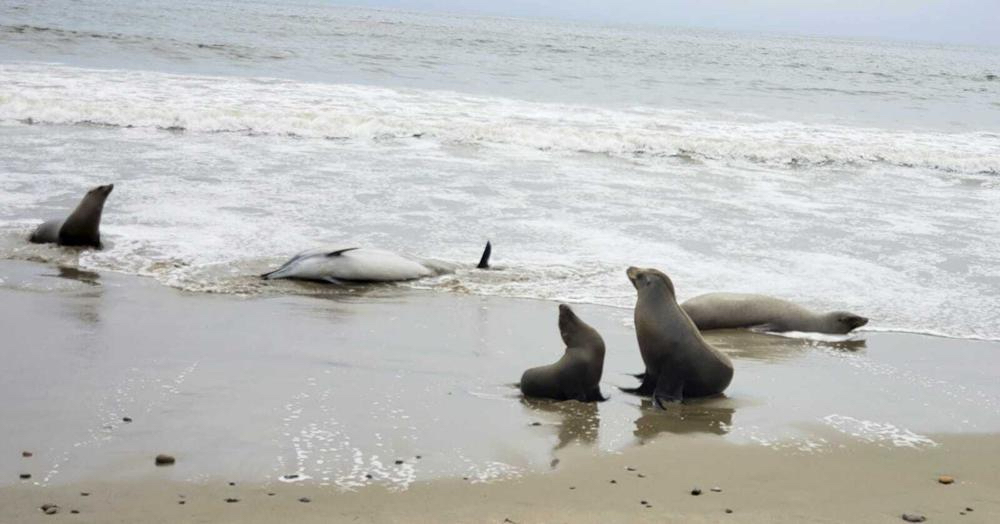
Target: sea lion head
column 650, row 279
column 844, row 321
column 575, row 332
column 101, row 191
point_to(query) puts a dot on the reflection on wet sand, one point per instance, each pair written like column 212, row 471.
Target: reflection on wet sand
column 577, row 421
column 85, row 306
column 702, row 416
column 79, row 275
column 743, row 344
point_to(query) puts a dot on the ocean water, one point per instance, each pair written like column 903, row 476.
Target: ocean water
column 844, row 174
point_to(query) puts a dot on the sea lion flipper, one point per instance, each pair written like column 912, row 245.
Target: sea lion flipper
column 645, row 389
column 333, row 281
column 764, row 328
column 668, row 389
column 595, row 395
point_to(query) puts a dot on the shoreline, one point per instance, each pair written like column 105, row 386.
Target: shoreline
column 337, row 388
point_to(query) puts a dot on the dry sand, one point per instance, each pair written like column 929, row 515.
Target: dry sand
column 337, row 387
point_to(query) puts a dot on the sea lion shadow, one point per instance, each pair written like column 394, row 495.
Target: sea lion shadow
column 575, row 421
column 711, row 415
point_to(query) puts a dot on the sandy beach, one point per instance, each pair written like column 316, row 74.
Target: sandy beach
column 390, row 404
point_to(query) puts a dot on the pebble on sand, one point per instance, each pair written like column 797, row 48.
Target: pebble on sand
column 26, row 454
column 696, row 491
column 50, row 509
column 728, row 510
column 232, row 500
column 164, row 460
column 126, row 419
column 25, row 476
column 946, row 479
column 182, row 502
column 74, row 511
column 717, row 489
column 398, row 462
column 293, row 476
column 84, row 493
column 305, row 499
column 913, row 517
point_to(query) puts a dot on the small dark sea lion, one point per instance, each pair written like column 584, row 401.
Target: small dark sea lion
column 83, row 226
column 575, row 376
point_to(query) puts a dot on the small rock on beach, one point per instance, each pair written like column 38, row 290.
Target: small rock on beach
column 164, row 460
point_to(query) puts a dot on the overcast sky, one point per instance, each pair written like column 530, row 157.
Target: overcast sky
column 959, row 21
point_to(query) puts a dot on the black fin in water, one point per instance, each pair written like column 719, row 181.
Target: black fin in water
column 339, row 252
column 484, row 261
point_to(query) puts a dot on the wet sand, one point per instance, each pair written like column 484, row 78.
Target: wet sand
column 336, row 387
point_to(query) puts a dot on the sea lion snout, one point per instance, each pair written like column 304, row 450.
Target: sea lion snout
column 847, row 322
column 633, row 275
column 104, row 190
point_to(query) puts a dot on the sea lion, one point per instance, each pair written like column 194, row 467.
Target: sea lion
column 679, row 363
column 356, row 264
column 82, row 227
column 764, row 313
column 575, row 376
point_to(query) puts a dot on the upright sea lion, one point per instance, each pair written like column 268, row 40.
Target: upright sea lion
column 679, row 363
column 358, row 264
column 82, row 227
column 764, row 313
column 575, row 376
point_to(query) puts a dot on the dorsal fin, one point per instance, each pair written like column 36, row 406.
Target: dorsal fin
column 339, row 252
column 484, row 261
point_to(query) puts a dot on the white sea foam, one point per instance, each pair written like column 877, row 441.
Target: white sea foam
column 860, row 226
column 46, row 94
column 878, row 432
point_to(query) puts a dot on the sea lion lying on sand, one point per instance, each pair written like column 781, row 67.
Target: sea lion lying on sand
column 764, row 313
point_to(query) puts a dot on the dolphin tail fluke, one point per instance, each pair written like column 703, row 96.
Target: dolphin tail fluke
column 484, row 261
